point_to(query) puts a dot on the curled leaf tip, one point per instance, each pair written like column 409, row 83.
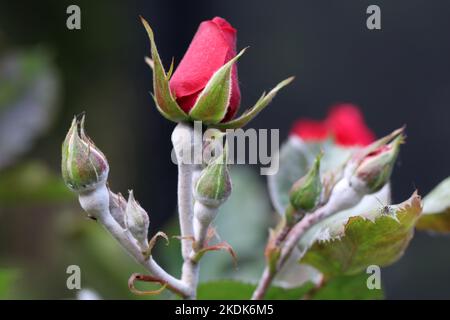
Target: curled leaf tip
column 145, row 278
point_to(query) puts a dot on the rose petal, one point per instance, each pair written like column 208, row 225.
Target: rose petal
column 212, row 46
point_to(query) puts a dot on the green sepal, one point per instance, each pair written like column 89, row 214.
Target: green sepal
column 165, row 102
column 251, row 113
column 212, row 103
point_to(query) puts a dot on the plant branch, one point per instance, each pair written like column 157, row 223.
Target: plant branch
column 95, row 203
column 342, row 197
column 184, row 142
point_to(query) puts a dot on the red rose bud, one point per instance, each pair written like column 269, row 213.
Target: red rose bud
column 305, row 193
column 205, row 85
column 374, row 164
column 213, row 45
column 84, row 167
column 344, row 123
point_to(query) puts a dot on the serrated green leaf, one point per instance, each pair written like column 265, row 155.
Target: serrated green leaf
column 31, row 183
column 378, row 238
column 236, row 290
column 348, row 288
column 436, row 209
column 164, row 100
column 212, row 103
column 251, row 113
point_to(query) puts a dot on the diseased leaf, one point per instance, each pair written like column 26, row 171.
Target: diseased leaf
column 436, row 209
column 347, row 288
column 236, row 290
column 378, row 238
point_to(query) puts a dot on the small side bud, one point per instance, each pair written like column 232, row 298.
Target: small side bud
column 84, row 167
column 117, row 207
column 373, row 169
column 214, row 184
column 137, row 221
column 305, row 193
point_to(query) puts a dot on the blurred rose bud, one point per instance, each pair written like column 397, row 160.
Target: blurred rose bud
column 372, row 167
column 84, row 167
column 137, row 221
column 305, row 193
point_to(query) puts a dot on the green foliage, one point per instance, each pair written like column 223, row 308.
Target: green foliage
column 31, row 183
column 339, row 288
column 236, row 290
column 376, row 238
column 7, row 280
column 436, row 209
column 348, row 288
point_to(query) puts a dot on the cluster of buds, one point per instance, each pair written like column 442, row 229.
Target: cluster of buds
column 367, row 171
column 85, row 171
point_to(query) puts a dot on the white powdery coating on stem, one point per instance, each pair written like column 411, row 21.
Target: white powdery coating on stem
column 96, row 203
column 203, row 216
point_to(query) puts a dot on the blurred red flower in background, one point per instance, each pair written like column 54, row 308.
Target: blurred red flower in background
column 344, row 123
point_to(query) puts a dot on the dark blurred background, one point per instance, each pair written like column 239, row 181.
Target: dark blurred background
column 397, row 75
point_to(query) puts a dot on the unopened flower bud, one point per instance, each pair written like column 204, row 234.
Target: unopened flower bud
column 373, row 168
column 305, row 193
column 84, row 167
column 137, row 221
column 214, row 184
